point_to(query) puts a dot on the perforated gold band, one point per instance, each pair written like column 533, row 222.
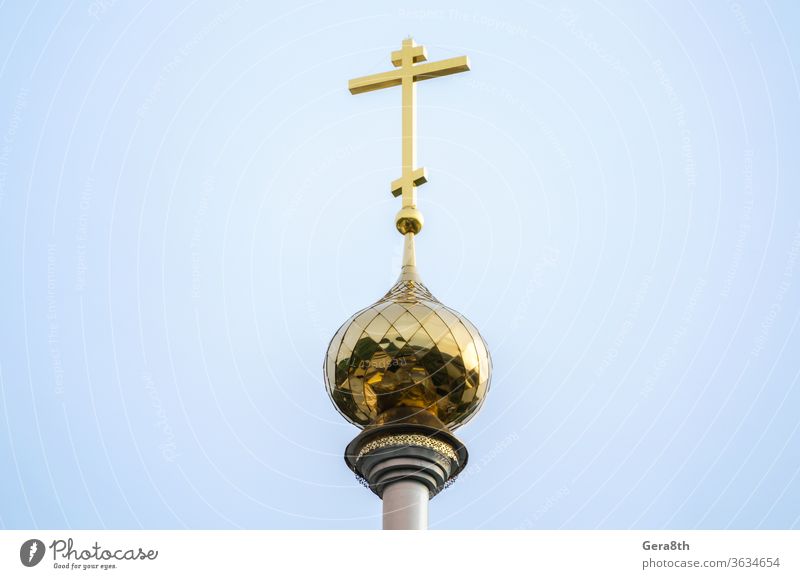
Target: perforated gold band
column 411, row 440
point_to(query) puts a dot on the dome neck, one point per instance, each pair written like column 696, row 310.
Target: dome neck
column 409, row 286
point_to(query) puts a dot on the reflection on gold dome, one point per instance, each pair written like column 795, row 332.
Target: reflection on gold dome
column 407, row 355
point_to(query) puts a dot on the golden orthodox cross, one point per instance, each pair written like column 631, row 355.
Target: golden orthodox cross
column 409, row 219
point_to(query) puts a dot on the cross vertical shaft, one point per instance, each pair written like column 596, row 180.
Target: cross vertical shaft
column 409, row 103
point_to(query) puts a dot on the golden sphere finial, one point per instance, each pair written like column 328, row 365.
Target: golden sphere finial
column 409, row 220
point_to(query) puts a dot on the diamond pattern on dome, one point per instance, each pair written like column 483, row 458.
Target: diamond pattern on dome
column 393, row 311
column 408, row 291
column 421, row 311
column 460, row 333
column 377, row 328
column 351, row 336
column 436, row 327
column 448, row 316
column 406, row 325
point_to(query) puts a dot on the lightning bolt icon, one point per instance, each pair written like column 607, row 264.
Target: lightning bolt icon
column 34, row 548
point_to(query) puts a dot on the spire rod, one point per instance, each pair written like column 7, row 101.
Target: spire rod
column 409, row 269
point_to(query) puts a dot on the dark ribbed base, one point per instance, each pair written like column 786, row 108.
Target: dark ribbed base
column 384, row 454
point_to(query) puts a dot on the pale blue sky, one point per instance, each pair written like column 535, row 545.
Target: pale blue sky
column 191, row 203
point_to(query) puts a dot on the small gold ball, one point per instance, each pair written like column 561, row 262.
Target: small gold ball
column 409, row 220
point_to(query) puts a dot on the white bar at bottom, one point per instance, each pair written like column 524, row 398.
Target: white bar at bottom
column 345, row 554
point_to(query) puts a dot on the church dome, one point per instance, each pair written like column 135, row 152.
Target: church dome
column 407, row 357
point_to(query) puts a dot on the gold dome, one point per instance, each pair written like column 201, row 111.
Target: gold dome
column 407, row 355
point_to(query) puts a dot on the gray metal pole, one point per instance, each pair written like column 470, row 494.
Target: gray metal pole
column 405, row 506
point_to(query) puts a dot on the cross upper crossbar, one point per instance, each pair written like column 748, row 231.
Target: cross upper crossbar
column 420, row 72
